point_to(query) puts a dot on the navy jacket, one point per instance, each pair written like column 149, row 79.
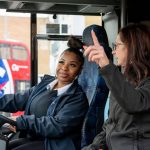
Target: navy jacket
column 61, row 127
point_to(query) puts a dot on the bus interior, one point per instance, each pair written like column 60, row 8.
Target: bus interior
column 114, row 15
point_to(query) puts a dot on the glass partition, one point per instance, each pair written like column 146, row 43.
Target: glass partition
column 14, row 52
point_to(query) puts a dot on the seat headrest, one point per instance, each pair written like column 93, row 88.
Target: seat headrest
column 101, row 36
column 100, row 33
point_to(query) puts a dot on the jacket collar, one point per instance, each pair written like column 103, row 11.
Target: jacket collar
column 59, row 90
column 70, row 90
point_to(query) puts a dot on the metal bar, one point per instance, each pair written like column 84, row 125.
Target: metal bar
column 55, row 37
column 34, row 52
column 123, row 13
column 76, row 2
column 52, row 12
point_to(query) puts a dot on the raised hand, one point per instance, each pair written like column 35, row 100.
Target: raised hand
column 96, row 52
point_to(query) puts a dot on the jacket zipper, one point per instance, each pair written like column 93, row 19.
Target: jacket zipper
column 109, row 135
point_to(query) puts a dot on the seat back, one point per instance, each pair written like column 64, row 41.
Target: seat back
column 97, row 92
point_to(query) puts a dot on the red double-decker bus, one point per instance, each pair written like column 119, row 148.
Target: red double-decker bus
column 14, row 67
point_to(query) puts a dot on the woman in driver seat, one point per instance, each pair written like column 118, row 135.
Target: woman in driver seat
column 54, row 108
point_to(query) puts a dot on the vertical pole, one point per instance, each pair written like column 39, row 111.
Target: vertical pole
column 123, row 13
column 34, row 51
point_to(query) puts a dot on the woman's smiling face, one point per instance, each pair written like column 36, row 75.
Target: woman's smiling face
column 69, row 66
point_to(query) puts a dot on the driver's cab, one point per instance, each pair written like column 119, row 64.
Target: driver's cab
column 44, row 30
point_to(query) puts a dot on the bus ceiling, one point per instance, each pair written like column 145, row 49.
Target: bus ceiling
column 74, row 7
column 130, row 10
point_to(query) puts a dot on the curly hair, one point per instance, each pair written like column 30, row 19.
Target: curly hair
column 76, row 46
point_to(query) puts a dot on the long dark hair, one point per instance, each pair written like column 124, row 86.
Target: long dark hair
column 137, row 39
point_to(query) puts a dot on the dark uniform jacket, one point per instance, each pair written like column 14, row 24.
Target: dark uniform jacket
column 61, row 127
column 128, row 125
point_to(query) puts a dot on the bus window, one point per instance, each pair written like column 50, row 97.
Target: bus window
column 49, row 50
column 22, row 85
column 14, row 66
column 5, row 51
column 19, row 53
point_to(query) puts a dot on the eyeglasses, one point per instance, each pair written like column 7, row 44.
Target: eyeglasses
column 115, row 45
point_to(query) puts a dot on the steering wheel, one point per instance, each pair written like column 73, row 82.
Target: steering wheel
column 4, row 120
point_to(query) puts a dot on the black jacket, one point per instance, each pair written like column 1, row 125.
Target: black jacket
column 128, row 125
column 61, row 127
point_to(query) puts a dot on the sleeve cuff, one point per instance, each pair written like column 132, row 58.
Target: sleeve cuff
column 20, row 123
column 107, row 69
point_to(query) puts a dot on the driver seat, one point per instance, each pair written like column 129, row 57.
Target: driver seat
column 97, row 92
column 94, row 86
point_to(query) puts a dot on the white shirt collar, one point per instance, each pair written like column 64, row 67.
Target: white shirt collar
column 60, row 90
